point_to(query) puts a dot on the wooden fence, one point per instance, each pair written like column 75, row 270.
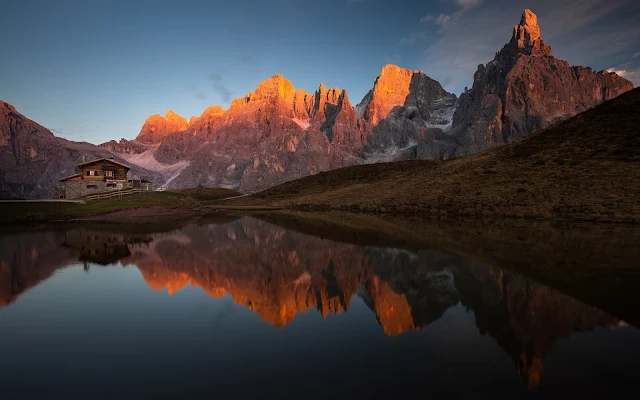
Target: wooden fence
column 111, row 195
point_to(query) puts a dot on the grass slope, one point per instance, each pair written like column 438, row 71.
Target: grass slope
column 585, row 168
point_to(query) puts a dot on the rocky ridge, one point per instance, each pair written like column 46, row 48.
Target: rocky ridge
column 525, row 89
column 278, row 133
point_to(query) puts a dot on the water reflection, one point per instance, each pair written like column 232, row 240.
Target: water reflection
column 279, row 273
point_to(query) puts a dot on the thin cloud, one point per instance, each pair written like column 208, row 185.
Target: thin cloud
column 468, row 3
column 443, row 20
column 413, row 37
column 201, row 95
column 428, row 18
column 636, row 55
column 219, row 87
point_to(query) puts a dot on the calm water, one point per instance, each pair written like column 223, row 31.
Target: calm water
column 246, row 308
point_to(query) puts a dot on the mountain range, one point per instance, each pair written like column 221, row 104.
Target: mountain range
column 278, row 133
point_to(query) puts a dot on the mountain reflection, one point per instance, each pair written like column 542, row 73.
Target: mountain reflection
column 278, row 273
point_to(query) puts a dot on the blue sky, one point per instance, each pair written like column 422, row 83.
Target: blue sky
column 95, row 70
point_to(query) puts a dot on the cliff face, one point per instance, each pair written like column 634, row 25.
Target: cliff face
column 524, row 89
column 156, row 127
column 406, row 116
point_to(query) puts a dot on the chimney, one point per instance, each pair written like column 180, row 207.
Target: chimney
column 84, row 158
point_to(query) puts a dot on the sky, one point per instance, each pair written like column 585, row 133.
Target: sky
column 95, row 70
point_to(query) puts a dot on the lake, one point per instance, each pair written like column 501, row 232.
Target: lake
column 246, row 307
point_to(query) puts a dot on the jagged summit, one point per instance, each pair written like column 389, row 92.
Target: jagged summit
column 524, row 89
column 527, row 38
column 276, row 86
column 172, row 115
column 157, row 127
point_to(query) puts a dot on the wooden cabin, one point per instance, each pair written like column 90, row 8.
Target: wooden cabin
column 97, row 176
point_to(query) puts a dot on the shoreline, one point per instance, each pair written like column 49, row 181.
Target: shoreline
column 143, row 214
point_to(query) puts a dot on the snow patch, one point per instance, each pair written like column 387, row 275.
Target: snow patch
column 362, row 106
column 148, row 161
column 304, row 124
column 302, row 279
column 390, row 154
column 442, row 115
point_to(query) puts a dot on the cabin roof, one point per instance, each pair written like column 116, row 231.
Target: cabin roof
column 103, row 159
column 68, row 177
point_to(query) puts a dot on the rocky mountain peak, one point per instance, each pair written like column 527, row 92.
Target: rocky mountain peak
column 390, row 89
column 212, row 111
column 207, row 116
column 173, row 116
column 156, row 126
column 526, row 36
column 6, row 107
column 275, row 87
column 525, row 89
column 529, row 19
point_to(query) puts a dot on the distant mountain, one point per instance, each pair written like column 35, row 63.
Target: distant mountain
column 277, row 133
column 525, row 89
column 32, row 159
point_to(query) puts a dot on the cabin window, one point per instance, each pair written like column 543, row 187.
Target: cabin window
column 92, row 186
column 108, row 174
column 92, row 173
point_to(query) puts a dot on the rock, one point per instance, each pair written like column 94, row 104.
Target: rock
column 406, row 116
column 156, row 127
column 525, row 89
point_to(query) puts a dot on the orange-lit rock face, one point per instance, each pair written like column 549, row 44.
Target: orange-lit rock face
column 156, row 127
column 527, row 34
column 389, row 90
column 525, row 89
column 208, row 122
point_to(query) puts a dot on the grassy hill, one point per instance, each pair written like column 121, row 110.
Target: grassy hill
column 585, row 168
